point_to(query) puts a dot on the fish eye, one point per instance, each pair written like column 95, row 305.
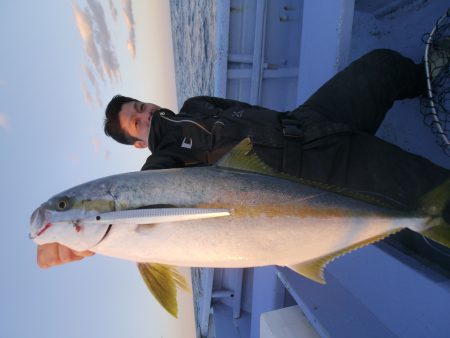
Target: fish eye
column 62, row 203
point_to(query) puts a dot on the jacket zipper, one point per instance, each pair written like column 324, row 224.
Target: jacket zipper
column 190, row 121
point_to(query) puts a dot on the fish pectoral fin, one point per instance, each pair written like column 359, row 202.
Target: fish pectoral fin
column 314, row 268
column 163, row 281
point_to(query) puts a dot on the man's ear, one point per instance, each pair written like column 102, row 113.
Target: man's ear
column 140, row 144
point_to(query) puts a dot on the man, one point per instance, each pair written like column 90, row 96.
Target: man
column 329, row 140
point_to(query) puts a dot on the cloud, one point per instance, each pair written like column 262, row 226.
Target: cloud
column 98, row 147
column 98, row 99
column 103, row 41
column 90, row 75
column 93, row 83
column 86, row 93
column 96, row 143
column 91, row 24
column 113, row 10
column 129, row 20
column 91, row 100
column 85, row 27
column 74, row 159
column 4, row 121
column 102, row 66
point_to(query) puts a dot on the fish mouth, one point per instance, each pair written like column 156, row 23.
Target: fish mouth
column 38, row 224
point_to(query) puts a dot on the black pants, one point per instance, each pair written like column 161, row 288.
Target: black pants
column 334, row 140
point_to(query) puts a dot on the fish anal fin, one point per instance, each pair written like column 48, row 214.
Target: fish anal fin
column 314, row 268
column 163, row 281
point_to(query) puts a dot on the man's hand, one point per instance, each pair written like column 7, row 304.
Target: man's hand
column 53, row 254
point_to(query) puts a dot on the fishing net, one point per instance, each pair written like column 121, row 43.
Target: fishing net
column 436, row 105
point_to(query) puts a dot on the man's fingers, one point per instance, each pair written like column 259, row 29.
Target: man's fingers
column 53, row 254
column 65, row 254
column 83, row 253
column 47, row 255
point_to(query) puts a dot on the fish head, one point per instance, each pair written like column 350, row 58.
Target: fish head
column 70, row 220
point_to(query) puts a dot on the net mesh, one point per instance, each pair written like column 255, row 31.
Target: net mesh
column 436, row 105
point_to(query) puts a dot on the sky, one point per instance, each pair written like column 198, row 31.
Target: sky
column 60, row 63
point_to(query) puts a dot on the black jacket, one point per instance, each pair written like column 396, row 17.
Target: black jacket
column 206, row 128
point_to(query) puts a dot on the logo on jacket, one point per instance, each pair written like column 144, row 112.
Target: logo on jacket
column 237, row 114
column 187, row 143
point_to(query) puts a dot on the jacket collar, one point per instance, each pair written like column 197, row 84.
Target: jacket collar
column 156, row 130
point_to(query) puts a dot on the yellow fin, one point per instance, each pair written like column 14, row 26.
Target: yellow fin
column 439, row 233
column 162, row 281
column 242, row 157
column 433, row 204
column 314, row 268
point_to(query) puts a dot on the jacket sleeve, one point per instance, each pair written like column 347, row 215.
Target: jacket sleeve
column 169, row 159
column 162, row 162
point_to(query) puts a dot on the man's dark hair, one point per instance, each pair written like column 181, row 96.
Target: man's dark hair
column 112, row 124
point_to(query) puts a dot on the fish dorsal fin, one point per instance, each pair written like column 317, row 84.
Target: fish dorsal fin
column 242, row 157
column 157, row 215
column 314, row 268
column 163, row 281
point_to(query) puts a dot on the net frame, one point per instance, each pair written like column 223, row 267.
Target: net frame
column 436, row 105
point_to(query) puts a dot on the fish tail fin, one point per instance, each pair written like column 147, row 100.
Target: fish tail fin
column 436, row 204
column 162, row 281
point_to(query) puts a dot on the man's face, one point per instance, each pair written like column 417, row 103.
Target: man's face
column 135, row 118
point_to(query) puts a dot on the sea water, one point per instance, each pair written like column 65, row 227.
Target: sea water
column 193, row 38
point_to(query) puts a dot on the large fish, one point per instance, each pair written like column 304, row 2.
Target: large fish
column 238, row 213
